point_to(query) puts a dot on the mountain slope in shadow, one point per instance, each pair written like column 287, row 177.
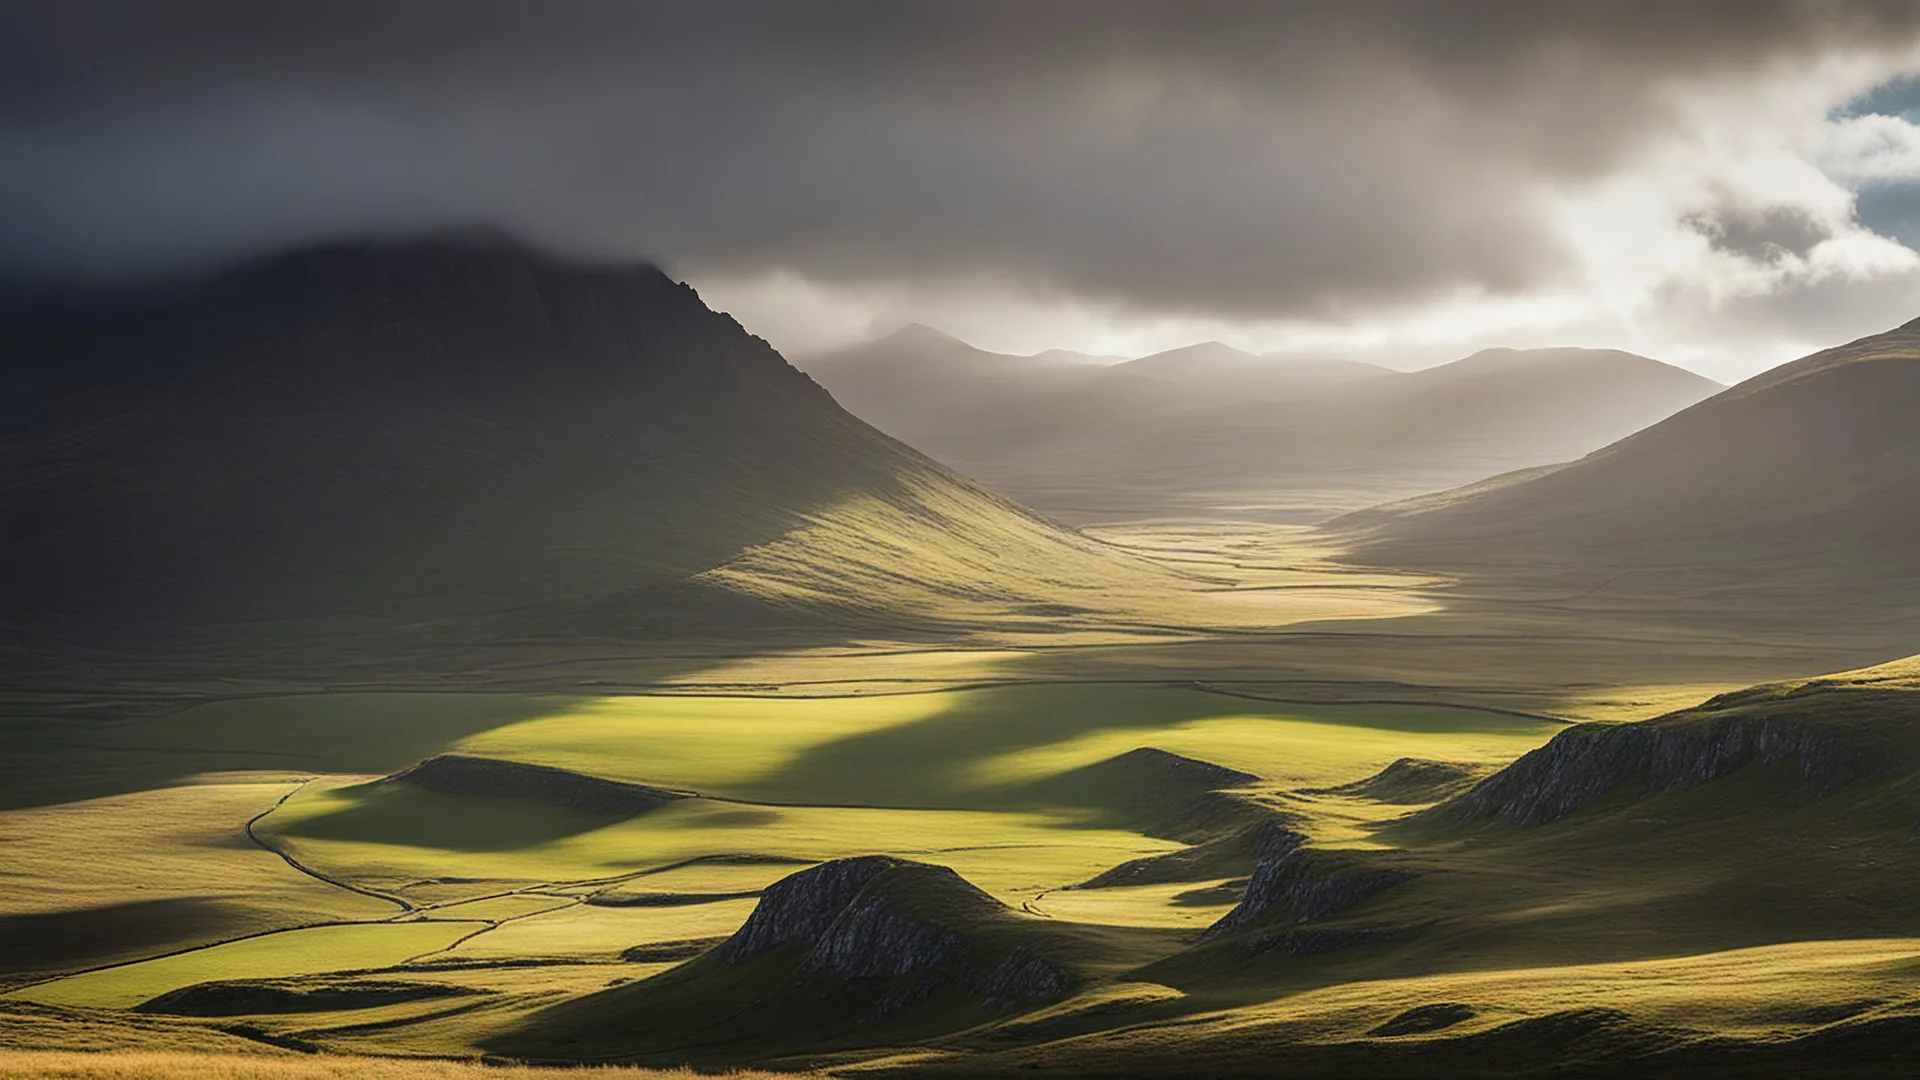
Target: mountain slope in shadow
column 373, row 435
column 1789, row 500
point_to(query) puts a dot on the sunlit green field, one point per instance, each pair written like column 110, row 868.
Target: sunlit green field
column 391, row 837
column 1675, row 915
column 292, row 952
column 940, row 748
column 454, row 886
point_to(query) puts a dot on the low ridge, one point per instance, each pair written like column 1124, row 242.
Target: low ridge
column 255, row 997
column 458, row 774
column 1155, row 792
column 1409, row 781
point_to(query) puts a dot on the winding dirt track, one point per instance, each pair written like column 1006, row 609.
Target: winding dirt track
column 405, row 906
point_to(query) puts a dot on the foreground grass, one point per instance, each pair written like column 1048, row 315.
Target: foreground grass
column 1823, row 1009
column 140, row 1065
column 270, row 956
column 109, row 879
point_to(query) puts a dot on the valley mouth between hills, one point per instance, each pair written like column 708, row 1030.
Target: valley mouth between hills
column 452, row 734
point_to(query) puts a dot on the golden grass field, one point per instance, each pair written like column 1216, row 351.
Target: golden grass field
column 160, row 860
column 161, row 1065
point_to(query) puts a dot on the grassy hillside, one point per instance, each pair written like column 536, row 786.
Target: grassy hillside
column 469, row 435
column 1718, row 892
column 1787, row 501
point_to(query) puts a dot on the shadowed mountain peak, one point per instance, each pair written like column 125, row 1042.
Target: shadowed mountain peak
column 417, row 431
column 1202, row 358
column 921, row 334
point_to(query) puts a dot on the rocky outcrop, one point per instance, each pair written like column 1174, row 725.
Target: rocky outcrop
column 801, row 908
column 1294, row 884
column 875, row 919
column 456, row 774
column 1586, row 763
column 1024, row 977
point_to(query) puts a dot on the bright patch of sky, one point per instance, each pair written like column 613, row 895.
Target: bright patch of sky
column 1765, row 221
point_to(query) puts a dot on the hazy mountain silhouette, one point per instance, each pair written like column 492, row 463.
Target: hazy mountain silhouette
column 383, row 433
column 962, row 404
column 1209, row 425
column 1795, row 492
column 1491, row 412
column 1212, row 363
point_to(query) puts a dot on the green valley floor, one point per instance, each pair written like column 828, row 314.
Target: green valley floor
column 1243, row 847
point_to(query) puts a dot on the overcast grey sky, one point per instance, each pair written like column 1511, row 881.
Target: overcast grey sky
column 1721, row 184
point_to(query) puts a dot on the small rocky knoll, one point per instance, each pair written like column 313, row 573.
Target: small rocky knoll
column 876, row 918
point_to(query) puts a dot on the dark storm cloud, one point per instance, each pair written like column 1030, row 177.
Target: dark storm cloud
column 1761, row 234
column 1181, row 155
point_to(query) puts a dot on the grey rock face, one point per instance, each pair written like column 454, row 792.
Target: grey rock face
column 1025, row 976
column 869, row 942
column 1585, row 763
column 1294, row 884
column 802, row 907
column 900, row 923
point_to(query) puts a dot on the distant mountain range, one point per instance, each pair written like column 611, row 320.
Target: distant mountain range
column 1792, row 498
column 363, row 437
column 1208, row 427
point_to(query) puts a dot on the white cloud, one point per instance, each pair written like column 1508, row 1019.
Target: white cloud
column 1728, row 242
